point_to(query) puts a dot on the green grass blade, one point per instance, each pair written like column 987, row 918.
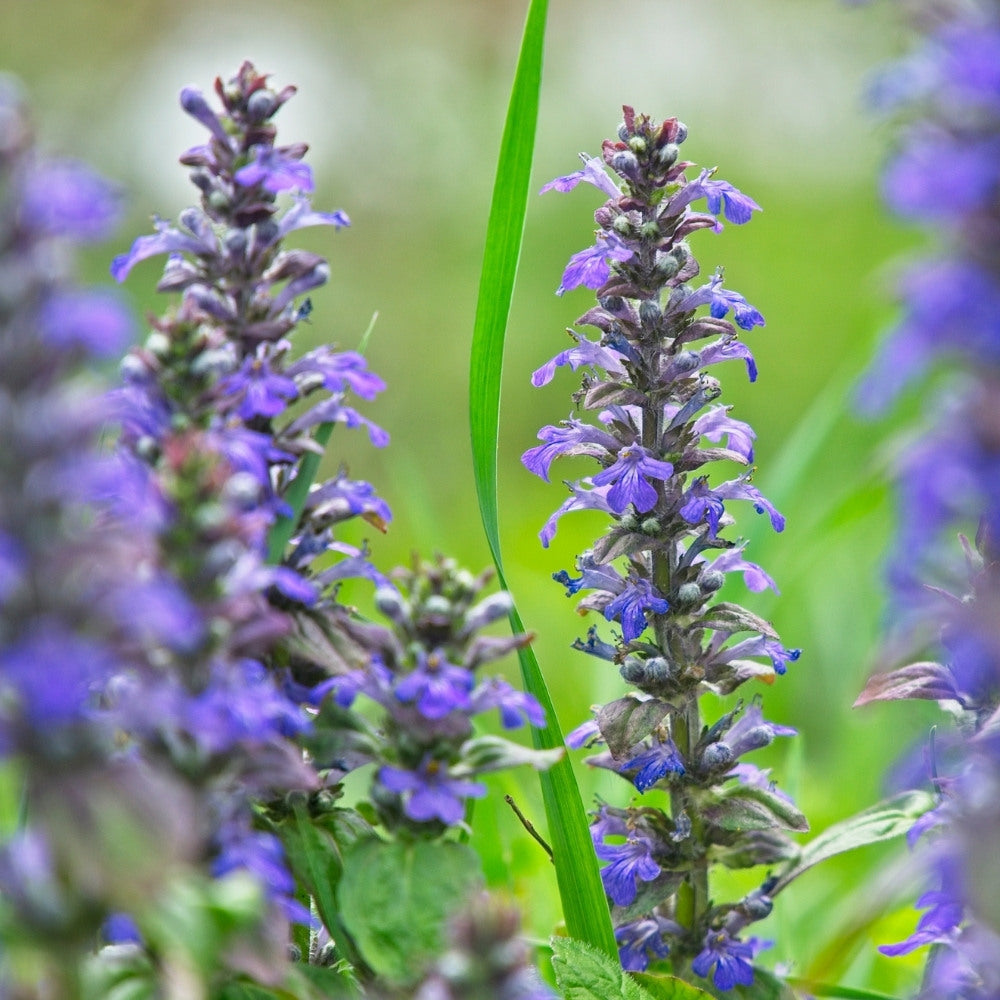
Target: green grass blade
column 584, row 905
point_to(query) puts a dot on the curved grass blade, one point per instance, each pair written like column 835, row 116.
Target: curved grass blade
column 584, row 905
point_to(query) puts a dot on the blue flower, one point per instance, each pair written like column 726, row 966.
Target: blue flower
column 593, row 172
column 257, row 391
column 642, row 941
column 630, row 606
column 275, row 171
column 430, row 793
column 437, row 686
column 731, row 958
column 592, row 267
column 629, row 478
column 654, row 763
column 629, row 862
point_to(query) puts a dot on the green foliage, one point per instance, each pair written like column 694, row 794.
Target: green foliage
column 395, row 899
column 580, row 889
column 585, row 973
column 885, row 821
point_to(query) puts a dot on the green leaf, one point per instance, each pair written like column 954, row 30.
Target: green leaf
column 628, row 721
column 395, row 899
column 661, row 987
column 891, row 818
column 584, row 904
column 284, row 527
column 748, row 809
column 587, row 973
column 765, row 986
column 315, row 858
column 493, row 753
column 835, row 990
column 728, row 617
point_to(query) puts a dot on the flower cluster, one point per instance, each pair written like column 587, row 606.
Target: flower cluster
column 422, row 673
column 946, row 175
column 207, row 431
column 657, row 571
column 100, row 829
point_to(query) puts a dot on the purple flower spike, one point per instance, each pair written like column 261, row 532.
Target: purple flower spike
column 629, row 479
column 592, row 267
column 430, row 793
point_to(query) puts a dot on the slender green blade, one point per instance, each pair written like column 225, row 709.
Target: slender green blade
column 584, row 904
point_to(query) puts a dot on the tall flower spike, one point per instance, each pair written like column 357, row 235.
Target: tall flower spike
column 204, row 409
column 946, row 596
column 100, row 830
column 658, row 568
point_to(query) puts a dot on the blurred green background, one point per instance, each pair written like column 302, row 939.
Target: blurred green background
column 403, row 104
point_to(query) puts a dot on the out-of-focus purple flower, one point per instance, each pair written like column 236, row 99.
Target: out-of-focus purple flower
column 436, row 686
column 276, row 171
column 515, row 706
column 95, row 321
column 66, row 198
column 430, row 793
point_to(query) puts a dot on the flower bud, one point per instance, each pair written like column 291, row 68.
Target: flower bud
column 710, row 581
column 390, row 603
column 681, row 133
column 686, row 361
column 625, row 163
column 667, row 264
column 260, row 105
column 690, row 593
column 158, row 344
column 666, row 155
column 650, row 526
column 649, row 312
column 716, row 757
column 622, row 226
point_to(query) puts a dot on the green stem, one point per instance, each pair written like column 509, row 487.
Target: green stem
column 284, row 527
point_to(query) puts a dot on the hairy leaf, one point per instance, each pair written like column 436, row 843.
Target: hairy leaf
column 889, row 819
column 628, row 721
column 395, row 899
